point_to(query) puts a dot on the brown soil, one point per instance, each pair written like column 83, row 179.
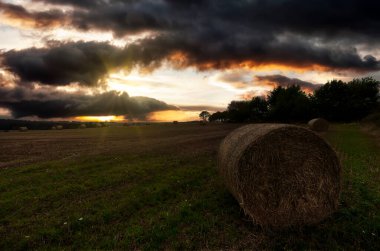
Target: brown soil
column 21, row 148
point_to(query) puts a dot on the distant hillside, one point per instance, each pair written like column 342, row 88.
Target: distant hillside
column 13, row 124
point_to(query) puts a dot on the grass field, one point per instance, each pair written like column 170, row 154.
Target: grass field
column 156, row 187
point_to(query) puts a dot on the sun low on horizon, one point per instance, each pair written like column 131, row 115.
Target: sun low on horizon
column 71, row 60
column 100, row 119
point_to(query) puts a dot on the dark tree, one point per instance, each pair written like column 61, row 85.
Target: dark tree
column 335, row 101
column 289, row 104
column 338, row 101
column 219, row 117
column 258, row 109
column 239, row 111
column 204, row 115
column 363, row 97
column 254, row 110
column 331, row 100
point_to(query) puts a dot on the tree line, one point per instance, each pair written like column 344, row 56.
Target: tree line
column 336, row 101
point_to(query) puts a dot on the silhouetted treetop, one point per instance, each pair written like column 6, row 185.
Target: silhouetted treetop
column 335, row 101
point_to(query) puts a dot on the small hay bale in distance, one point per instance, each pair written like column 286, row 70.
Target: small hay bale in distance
column 23, row 129
column 82, row 126
column 59, row 127
column 281, row 175
column 318, row 125
column 53, row 128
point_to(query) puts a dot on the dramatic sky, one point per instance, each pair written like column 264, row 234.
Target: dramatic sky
column 164, row 60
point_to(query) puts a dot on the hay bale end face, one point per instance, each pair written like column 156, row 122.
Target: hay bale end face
column 318, row 125
column 281, row 175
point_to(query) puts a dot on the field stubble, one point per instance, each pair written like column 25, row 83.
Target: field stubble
column 157, row 187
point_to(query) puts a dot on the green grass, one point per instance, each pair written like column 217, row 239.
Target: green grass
column 159, row 201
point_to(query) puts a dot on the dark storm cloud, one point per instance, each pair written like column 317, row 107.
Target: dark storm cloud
column 271, row 81
column 280, row 80
column 47, row 103
column 245, row 79
column 215, row 51
column 63, row 64
column 308, row 17
column 88, row 63
column 239, row 79
column 225, row 34
column 41, row 19
column 78, row 3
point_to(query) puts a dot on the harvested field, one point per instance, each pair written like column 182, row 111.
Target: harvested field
column 19, row 148
column 157, row 187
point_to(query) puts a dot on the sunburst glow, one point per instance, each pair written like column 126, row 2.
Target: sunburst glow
column 101, row 118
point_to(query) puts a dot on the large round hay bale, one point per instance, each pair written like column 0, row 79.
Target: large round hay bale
column 59, row 127
column 318, row 125
column 282, row 175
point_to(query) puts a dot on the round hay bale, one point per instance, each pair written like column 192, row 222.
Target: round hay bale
column 53, row 128
column 82, row 126
column 281, row 175
column 318, row 125
column 23, row 129
column 59, row 127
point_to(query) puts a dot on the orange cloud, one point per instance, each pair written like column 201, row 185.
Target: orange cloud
column 5, row 112
column 255, row 93
column 173, row 115
column 180, row 60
